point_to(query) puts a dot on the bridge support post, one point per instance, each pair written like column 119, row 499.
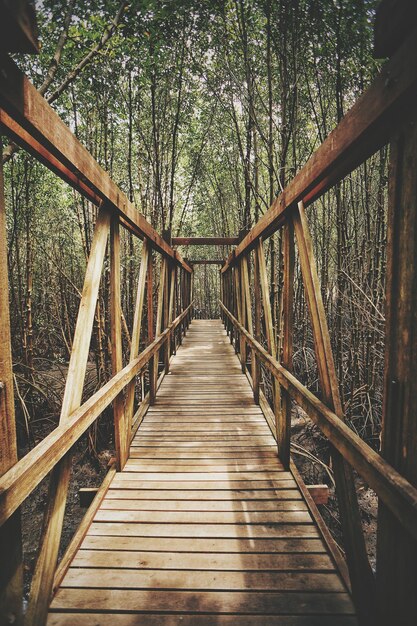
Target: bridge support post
column 396, row 549
column 11, row 571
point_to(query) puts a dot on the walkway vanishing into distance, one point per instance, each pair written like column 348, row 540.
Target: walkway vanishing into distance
column 203, row 526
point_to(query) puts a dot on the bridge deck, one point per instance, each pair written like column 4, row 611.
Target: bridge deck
column 203, row 526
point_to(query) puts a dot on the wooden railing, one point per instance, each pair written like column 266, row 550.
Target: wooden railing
column 385, row 113
column 28, row 119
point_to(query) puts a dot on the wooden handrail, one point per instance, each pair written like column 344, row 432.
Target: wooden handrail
column 28, row 119
column 26, row 474
column 399, row 495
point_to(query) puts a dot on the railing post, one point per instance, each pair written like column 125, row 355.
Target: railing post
column 121, row 428
column 159, row 314
column 11, row 570
column 396, row 548
column 256, row 365
column 269, row 331
column 171, row 305
column 165, row 321
column 361, row 576
column 136, row 332
column 247, row 314
column 284, row 433
column 149, row 301
column 238, row 289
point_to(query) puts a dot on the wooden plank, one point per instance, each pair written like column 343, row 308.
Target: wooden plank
column 205, row 241
column 232, row 545
column 107, row 619
column 230, row 506
column 319, row 493
column 275, row 562
column 203, row 517
column 360, row 572
column 224, row 531
column 11, row 568
column 30, row 121
column 85, row 578
column 203, row 602
column 366, row 127
column 207, row 495
column 205, row 261
column 132, row 483
column 42, row 581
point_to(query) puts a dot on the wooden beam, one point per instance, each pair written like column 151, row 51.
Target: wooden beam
column 284, row 435
column 396, row 545
column 136, row 332
column 399, row 495
column 21, row 479
column 394, row 21
column 319, row 493
column 18, row 28
column 121, row 428
column 361, row 576
column 32, row 123
column 366, row 127
column 205, row 241
column 205, row 261
column 11, row 568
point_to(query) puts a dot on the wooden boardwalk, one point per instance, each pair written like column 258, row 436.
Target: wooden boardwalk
column 203, row 526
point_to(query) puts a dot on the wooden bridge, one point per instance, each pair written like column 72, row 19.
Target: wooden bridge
column 203, row 519
column 203, row 525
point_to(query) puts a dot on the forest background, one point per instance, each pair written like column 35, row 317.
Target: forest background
column 202, row 112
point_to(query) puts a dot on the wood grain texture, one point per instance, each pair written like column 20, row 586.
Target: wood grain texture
column 203, row 521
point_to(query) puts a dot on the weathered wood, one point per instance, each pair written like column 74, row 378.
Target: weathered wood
column 319, row 493
column 42, row 581
column 21, row 479
column 366, row 127
column 159, row 312
column 398, row 494
column 30, row 121
column 121, row 426
column 18, row 28
column 205, row 241
column 239, row 312
column 256, row 365
column 203, row 522
column 205, row 261
column 170, row 619
column 269, row 332
column 11, row 569
column 136, row 333
column 396, row 545
column 394, row 21
column 361, row 575
column 284, row 433
column 151, row 334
